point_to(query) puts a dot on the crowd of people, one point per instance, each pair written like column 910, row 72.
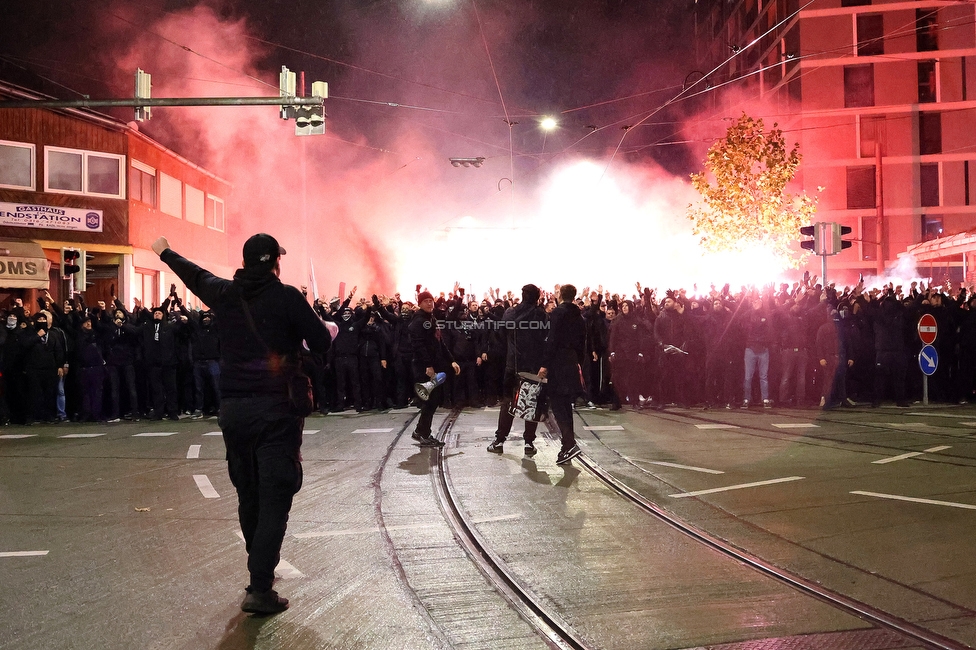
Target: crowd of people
column 799, row 345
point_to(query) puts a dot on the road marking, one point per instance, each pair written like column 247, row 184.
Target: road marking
column 205, row 486
column 376, row 529
column 310, row 432
column 661, row 462
column 284, row 568
column 193, row 451
column 373, row 430
column 907, row 425
column 915, row 499
column 796, row 425
column 716, row 426
column 16, row 436
column 154, row 434
column 941, row 415
column 23, row 553
column 737, row 487
column 968, row 424
column 485, row 429
column 82, row 435
column 612, row 427
column 491, row 410
column 214, row 433
column 911, row 454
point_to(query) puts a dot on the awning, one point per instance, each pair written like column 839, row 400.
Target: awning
column 944, row 247
column 22, row 265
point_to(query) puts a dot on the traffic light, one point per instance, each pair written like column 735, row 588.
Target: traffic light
column 808, row 244
column 143, row 91
column 69, row 262
column 310, row 120
column 838, row 232
column 81, row 280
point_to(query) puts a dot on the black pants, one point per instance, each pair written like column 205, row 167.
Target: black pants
column 427, row 408
column 42, row 391
column 92, row 383
column 404, row 379
column 505, row 418
column 562, row 411
column 162, row 384
column 264, row 461
column 347, row 375
column 117, row 374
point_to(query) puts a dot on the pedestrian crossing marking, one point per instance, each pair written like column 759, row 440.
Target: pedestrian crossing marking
column 213, row 433
column 17, row 436
column 797, row 425
column 898, row 497
column 155, row 434
column 23, row 553
column 716, row 426
column 373, row 430
column 193, row 451
column 205, row 486
column 609, row 427
column 82, row 435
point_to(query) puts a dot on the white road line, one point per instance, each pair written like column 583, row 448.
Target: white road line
column 373, row 430
column 213, row 433
column 284, row 568
column 485, row 429
column 737, row 487
column 932, row 450
column 797, row 425
column 941, row 415
column 375, row 529
column 205, row 486
column 310, row 432
column 155, row 434
column 611, row 427
column 892, row 459
column 23, row 553
column 82, row 435
column 933, row 502
column 193, row 451
column 906, row 425
column 691, row 467
column 716, row 426
column 968, row 424
column 17, row 436
column 490, row 410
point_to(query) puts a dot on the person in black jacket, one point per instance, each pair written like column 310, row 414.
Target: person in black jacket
column 120, row 338
column 205, row 348
column 525, row 329
column 263, row 323
column 45, row 356
column 345, row 354
column 91, row 364
column 430, row 356
column 159, row 347
column 561, row 368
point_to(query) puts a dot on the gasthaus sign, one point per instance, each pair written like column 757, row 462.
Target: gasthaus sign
column 29, row 215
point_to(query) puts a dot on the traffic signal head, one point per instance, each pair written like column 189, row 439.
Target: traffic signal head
column 810, row 244
column 838, row 232
column 69, row 262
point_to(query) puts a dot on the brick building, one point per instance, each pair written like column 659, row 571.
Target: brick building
column 75, row 178
column 881, row 96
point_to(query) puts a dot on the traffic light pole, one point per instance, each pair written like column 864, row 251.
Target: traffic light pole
column 823, row 270
column 163, row 101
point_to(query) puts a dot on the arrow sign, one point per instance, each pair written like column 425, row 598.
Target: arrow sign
column 928, row 360
column 928, row 329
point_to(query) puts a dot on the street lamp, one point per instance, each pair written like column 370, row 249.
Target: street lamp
column 467, row 162
column 548, row 124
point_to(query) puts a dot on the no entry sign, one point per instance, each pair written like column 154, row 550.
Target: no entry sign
column 928, row 329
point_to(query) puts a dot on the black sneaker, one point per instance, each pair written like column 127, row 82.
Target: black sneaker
column 264, row 602
column 530, row 449
column 496, row 446
column 568, row 454
column 430, row 441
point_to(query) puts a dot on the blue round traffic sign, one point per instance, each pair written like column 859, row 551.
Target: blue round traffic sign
column 928, row 360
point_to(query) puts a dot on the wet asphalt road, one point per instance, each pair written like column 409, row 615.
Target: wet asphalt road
column 122, row 540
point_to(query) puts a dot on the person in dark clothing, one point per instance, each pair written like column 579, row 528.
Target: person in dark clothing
column 465, row 338
column 793, row 334
column 373, row 359
column 430, row 356
column 14, row 385
column 672, row 343
column 561, row 368
column 263, row 323
column 833, row 351
column 596, row 372
column 120, row 338
column 205, row 348
column 91, row 369
column 525, row 343
column 889, row 320
column 720, row 354
column 630, row 336
column 758, row 328
column 159, row 347
column 345, row 354
column 45, row 356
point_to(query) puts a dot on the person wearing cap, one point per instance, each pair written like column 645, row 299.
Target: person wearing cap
column 561, row 367
column 262, row 325
column 522, row 347
column 430, row 356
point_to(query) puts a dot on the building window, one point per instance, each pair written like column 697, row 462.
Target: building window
column 170, row 195
column 854, row 3
column 931, row 227
column 966, row 182
column 145, row 288
column 871, row 133
column 926, row 30
column 928, row 181
column 83, row 172
column 927, row 86
column 869, row 237
column 929, row 133
column 193, row 201
column 214, row 214
column 858, row 85
column 17, row 165
column 870, row 34
column 142, row 183
column 860, row 188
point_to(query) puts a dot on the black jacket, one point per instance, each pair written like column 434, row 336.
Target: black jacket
column 254, row 364
column 564, row 350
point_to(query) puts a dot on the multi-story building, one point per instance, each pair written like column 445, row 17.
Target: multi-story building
column 75, row 178
column 881, row 96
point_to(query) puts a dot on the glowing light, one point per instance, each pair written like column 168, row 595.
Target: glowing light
column 548, row 124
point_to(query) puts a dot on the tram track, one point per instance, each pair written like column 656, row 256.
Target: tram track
column 557, row 633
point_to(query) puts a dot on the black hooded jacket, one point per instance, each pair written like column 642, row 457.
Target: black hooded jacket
column 252, row 364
